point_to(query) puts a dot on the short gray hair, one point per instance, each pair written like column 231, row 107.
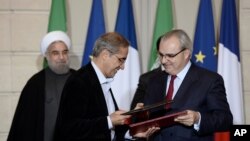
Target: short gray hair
column 183, row 37
column 111, row 41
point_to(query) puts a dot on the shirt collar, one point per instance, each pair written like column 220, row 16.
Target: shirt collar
column 100, row 75
column 184, row 71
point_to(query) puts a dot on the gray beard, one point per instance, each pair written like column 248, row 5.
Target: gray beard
column 59, row 68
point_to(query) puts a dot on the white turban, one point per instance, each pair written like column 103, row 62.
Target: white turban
column 52, row 37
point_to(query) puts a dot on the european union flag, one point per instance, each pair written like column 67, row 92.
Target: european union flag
column 205, row 51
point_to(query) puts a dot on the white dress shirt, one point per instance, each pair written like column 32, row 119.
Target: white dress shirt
column 106, row 85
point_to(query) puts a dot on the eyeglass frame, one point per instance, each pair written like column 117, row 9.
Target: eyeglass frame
column 170, row 55
column 121, row 60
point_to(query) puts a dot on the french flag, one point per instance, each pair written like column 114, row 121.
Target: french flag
column 229, row 65
column 125, row 81
column 96, row 28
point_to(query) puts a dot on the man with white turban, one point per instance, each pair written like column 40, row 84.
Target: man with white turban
column 36, row 112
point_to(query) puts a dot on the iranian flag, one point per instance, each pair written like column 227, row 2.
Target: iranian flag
column 163, row 23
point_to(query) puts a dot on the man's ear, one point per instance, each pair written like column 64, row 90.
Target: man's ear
column 105, row 54
column 187, row 53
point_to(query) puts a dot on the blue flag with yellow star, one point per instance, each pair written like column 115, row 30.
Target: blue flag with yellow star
column 205, row 51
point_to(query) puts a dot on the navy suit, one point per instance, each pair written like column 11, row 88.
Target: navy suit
column 201, row 90
column 83, row 112
column 142, row 86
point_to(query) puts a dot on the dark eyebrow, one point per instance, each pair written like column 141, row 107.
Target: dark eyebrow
column 171, row 55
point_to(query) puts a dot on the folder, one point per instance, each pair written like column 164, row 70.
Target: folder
column 142, row 114
column 163, row 121
column 147, row 108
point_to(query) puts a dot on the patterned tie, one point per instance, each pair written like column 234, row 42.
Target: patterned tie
column 170, row 91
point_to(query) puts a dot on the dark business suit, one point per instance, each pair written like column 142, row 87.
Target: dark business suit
column 83, row 112
column 29, row 118
column 201, row 90
column 143, row 81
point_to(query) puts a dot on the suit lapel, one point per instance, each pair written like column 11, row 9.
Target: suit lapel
column 97, row 88
column 157, row 89
column 182, row 93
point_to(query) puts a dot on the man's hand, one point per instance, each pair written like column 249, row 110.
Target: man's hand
column 139, row 106
column 188, row 119
column 118, row 119
column 148, row 133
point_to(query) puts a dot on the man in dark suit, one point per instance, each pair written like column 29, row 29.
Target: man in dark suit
column 198, row 91
column 143, row 82
column 88, row 110
column 36, row 112
column 144, row 78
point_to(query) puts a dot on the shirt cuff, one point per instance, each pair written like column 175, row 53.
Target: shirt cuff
column 197, row 125
column 129, row 137
column 109, row 123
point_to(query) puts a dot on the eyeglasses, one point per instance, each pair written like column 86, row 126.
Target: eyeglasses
column 121, row 60
column 170, row 55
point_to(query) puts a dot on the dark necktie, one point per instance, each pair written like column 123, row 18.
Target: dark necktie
column 116, row 108
column 113, row 98
column 170, row 91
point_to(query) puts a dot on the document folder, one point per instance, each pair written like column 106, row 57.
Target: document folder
column 163, row 121
column 147, row 108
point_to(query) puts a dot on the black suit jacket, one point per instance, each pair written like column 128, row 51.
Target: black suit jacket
column 201, row 90
column 142, row 85
column 28, row 121
column 83, row 111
